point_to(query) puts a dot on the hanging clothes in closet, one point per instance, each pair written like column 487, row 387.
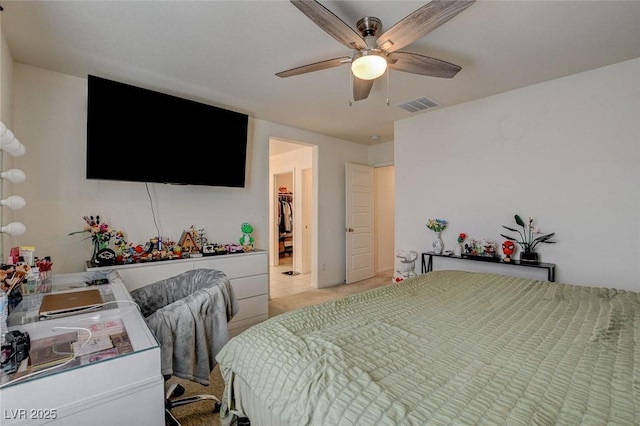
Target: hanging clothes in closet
column 285, row 223
column 285, row 213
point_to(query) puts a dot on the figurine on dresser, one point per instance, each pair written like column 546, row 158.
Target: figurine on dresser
column 246, row 241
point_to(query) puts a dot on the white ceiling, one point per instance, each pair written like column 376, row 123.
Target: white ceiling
column 226, row 53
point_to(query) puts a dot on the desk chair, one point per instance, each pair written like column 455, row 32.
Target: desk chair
column 188, row 314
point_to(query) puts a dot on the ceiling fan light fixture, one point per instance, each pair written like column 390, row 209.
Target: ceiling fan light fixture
column 368, row 64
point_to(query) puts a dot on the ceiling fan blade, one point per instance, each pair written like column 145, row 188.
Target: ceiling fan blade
column 420, row 23
column 330, row 23
column 423, row 65
column 361, row 88
column 317, row 66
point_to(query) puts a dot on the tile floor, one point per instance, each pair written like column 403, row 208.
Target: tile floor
column 285, row 285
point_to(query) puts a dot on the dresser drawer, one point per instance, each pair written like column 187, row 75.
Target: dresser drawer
column 235, row 266
column 251, row 307
column 250, row 286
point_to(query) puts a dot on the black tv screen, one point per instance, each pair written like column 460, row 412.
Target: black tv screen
column 140, row 135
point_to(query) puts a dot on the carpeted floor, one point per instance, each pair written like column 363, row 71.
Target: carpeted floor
column 200, row 413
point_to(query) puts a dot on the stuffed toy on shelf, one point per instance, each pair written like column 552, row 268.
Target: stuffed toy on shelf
column 246, row 240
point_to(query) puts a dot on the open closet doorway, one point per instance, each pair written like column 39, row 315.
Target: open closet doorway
column 291, row 218
column 285, row 219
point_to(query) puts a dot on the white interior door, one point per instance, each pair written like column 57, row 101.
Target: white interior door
column 359, row 221
column 307, row 219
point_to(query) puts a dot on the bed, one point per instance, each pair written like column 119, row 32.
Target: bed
column 447, row 347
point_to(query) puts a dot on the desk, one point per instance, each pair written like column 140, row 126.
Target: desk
column 125, row 389
column 427, row 263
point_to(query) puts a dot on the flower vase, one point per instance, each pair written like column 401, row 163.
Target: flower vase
column 529, row 257
column 96, row 249
column 438, row 244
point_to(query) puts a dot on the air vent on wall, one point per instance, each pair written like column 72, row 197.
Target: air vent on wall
column 418, row 104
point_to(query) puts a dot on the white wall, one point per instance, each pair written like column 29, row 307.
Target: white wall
column 566, row 152
column 381, row 154
column 50, row 118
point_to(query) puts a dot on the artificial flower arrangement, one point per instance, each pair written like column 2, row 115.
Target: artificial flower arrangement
column 437, row 225
column 459, row 250
column 99, row 232
column 528, row 240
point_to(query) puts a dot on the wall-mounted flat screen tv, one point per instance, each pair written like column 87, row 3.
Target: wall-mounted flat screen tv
column 140, row 135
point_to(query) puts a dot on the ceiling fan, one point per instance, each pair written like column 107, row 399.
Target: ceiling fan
column 373, row 52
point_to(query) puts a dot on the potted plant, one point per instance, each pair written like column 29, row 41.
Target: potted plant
column 528, row 240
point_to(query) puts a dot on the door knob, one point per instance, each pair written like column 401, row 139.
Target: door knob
column 349, row 229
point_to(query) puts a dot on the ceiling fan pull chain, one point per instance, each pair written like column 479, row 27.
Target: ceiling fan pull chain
column 388, row 72
column 351, row 87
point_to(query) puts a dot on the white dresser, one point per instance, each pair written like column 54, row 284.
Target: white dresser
column 247, row 272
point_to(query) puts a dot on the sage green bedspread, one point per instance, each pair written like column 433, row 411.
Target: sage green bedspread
column 448, row 347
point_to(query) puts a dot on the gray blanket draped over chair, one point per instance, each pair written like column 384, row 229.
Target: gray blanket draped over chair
column 188, row 314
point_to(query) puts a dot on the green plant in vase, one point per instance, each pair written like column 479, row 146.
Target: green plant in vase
column 528, row 240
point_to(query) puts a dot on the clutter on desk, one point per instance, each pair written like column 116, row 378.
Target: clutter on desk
column 17, row 280
column 25, row 276
column 12, row 276
column 15, row 349
column 22, row 355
